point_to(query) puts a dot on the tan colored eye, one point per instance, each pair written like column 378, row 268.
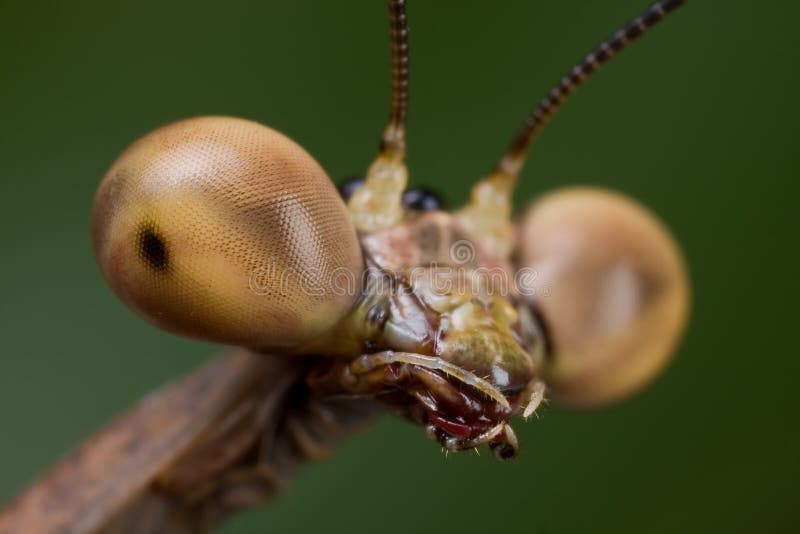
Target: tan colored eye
column 225, row 230
column 612, row 290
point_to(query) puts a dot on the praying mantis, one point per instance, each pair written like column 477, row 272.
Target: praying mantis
column 348, row 301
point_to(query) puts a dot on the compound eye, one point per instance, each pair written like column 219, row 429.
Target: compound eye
column 611, row 288
column 225, row 230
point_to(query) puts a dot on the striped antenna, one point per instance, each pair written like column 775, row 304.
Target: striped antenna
column 514, row 157
column 487, row 215
column 394, row 136
column 378, row 204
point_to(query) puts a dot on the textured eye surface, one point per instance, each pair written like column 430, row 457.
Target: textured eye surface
column 225, row 230
column 611, row 288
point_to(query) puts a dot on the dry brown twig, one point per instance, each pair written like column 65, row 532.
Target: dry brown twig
column 227, row 437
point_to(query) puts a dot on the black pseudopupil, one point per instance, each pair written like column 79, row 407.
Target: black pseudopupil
column 153, row 249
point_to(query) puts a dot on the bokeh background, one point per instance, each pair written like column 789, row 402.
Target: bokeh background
column 698, row 121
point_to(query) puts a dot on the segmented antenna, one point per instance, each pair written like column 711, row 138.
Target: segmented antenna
column 487, row 215
column 378, row 204
column 394, row 138
column 514, row 157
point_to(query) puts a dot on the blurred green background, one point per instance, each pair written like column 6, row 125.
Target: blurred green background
column 698, row 121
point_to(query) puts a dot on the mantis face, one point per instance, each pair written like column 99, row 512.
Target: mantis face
column 225, row 230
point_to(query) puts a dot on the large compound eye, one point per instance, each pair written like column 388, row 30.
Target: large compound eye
column 225, row 230
column 611, row 288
